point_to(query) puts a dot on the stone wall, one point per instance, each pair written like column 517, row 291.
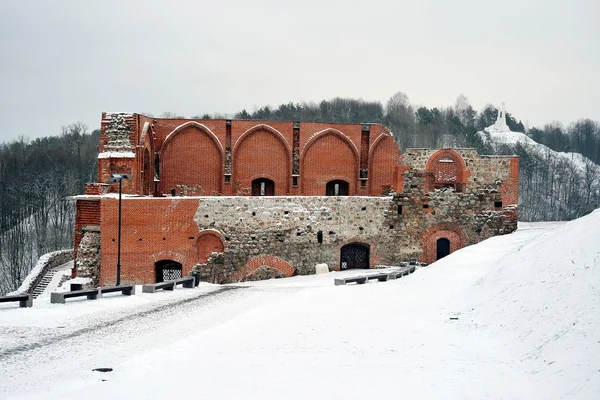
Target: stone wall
column 87, row 261
column 483, row 171
column 302, row 231
column 305, row 231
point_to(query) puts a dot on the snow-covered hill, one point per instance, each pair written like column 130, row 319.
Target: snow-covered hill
column 552, row 185
column 513, row 317
column 496, row 139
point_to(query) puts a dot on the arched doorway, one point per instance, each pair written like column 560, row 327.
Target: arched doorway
column 443, row 248
column 263, row 187
column 337, row 188
column 167, row 270
column 354, row 256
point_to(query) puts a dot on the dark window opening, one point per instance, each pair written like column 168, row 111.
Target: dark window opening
column 253, row 214
column 227, row 178
column 364, row 208
column 263, row 187
column 442, row 248
column 498, row 204
column 337, row 188
column 391, row 226
column 320, row 237
column 294, row 181
column 425, row 205
column 399, row 209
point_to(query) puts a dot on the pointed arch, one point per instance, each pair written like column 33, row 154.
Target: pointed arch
column 203, row 128
column 384, row 155
column 328, row 155
column 262, row 152
column 329, row 131
column 191, row 161
column 264, row 127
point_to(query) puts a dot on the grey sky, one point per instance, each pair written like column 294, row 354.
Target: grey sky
column 67, row 61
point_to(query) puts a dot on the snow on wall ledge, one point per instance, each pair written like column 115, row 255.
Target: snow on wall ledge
column 44, row 264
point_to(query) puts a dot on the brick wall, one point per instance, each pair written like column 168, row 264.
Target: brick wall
column 132, row 144
column 87, row 214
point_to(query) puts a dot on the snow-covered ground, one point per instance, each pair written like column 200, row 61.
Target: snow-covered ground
column 514, row 317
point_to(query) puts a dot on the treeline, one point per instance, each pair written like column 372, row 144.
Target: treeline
column 581, row 137
column 36, row 177
column 551, row 187
column 412, row 126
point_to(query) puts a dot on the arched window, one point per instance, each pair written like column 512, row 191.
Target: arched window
column 448, row 169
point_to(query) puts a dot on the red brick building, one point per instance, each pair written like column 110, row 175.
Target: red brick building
column 198, row 185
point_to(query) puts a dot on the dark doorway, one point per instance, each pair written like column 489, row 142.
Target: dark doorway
column 443, row 248
column 337, row 188
column 263, row 187
column 354, row 256
column 167, row 270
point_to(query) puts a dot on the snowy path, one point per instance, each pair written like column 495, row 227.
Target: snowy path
column 305, row 338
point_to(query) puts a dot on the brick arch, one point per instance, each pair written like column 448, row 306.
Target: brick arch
column 261, row 152
column 145, row 163
column 147, row 136
column 328, row 155
column 452, row 173
column 191, row 155
column 168, row 255
column 453, row 233
column 270, row 261
column 200, row 127
column 384, row 155
column 207, row 242
column 265, row 128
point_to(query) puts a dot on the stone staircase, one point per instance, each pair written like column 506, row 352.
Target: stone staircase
column 45, row 281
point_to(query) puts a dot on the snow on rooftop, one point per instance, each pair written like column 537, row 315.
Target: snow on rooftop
column 513, row 317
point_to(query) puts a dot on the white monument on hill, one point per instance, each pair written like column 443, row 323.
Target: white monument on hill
column 500, row 124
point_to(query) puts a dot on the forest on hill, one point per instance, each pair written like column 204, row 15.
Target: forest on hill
column 36, row 179
column 37, row 176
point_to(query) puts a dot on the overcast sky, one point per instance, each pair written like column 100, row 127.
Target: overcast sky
column 67, row 61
